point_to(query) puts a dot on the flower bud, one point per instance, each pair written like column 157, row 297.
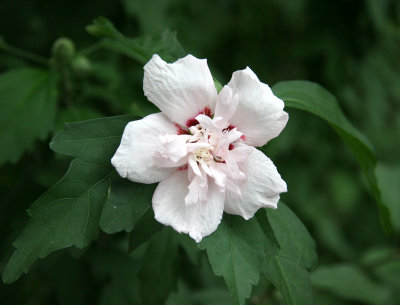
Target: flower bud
column 81, row 65
column 63, row 50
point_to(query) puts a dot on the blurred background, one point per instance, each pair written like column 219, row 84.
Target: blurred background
column 351, row 48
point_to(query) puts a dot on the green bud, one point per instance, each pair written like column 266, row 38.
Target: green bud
column 100, row 27
column 81, row 64
column 94, row 30
column 63, row 50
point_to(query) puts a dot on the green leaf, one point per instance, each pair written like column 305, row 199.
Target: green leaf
column 125, row 205
column 141, row 49
column 69, row 213
column 287, row 268
column 159, row 269
column 315, row 99
column 265, row 225
column 94, row 140
column 291, row 279
column 295, row 241
column 389, row 180
column 144, row 229
column 28, row 101
column 236, row 252
column 190, row 248
column 121, row 274
column 350, row 283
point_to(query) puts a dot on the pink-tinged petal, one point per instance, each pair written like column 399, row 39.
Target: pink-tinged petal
column 260, row 189
column 198, row 220
column 182, row 89
column 173, row 150
column 259, row 114
column 135, row 156
column 197, row 189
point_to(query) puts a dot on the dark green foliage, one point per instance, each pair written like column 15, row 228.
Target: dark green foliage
column 28, row 103
column 313, row 98
column 69, row 212
column 287, row 268
column 236, row 252
column 349, row 48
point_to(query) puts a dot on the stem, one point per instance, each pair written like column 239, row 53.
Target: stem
column 93, row 48
column 23, row 53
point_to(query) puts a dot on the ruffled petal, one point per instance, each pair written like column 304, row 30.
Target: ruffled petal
column 182, row 89
column 135, row 156
column 259, row 114
column 198, row 220
column 260, row 189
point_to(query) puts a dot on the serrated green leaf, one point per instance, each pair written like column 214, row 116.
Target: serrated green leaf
column 287, row 268
column 159, row 269
column 236, row 252
column 28, row 101
column 125, row 205
column 291, row 279
column 69, row 212
column 315, row 99
column 351, row 283
column 94, row 140
column 141, row 49
column 295, row 241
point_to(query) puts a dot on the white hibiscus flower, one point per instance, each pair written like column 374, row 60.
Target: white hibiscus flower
column 200, row 147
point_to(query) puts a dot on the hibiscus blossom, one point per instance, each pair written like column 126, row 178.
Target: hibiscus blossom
column 201, row 146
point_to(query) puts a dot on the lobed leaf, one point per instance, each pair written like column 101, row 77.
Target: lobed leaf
column 288, row 267
column 236, row 252
column 315, row 99
column 69, row 213
column 28, row 102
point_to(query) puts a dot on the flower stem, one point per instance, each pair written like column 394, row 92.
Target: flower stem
column 22, row 53
column 92, row 48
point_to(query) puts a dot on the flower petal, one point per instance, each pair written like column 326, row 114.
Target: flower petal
column 198, row 220
column 259, row 114
column 226, row 104
column 260, row 189
column 182, row 89
column 135, row 156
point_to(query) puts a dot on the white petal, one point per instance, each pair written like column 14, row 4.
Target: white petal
column 182, row 89
column 259, row 114
column 260, row 189
column 135, row 156
column 226, row 104
column 198, row 220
